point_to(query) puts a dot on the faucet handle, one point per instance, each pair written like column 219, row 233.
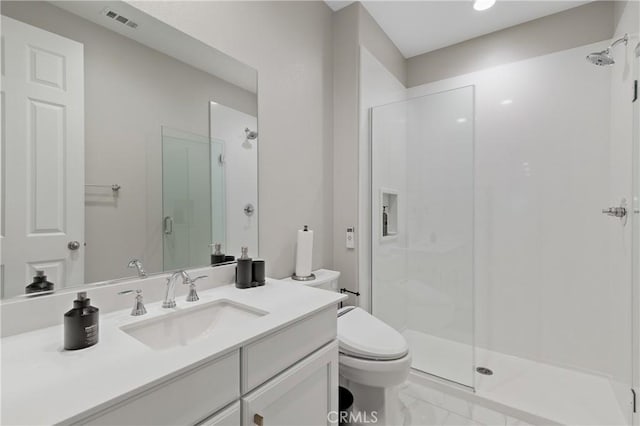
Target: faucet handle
column 138, row 305
column 137, row 263
column 193, row 294
column 193, row 281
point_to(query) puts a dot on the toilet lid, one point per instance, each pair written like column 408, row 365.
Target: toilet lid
column 364, row 336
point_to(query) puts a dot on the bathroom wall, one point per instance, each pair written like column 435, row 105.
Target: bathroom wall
column 290, row 44
column 174, row 94
column 353, row 28
column 241, row 176
column 345, row 151
column 378, row 86
column 355, row 264
column 574, row 27
column 623, row 74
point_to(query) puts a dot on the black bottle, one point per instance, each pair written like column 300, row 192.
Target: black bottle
column 81, row 324
column 385, row 221
column 39, row 284
column 244, row 270
column 217, row 256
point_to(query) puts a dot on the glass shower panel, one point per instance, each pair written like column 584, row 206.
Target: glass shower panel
column 186, row 199
column 422, row 220
column 218, row 194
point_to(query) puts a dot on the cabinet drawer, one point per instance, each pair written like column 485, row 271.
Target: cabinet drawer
column 230, row 416
column 274, row 353
column 204, row 390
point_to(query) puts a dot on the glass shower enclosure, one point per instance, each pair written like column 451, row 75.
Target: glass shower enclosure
column 504, row 233
column 422, row 220
column 193, row 210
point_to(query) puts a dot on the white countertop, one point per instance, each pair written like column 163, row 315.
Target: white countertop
column 43, row 384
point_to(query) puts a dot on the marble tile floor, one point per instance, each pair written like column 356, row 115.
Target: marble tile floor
column 423, row 406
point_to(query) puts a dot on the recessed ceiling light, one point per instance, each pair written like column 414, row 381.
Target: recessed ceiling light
column 506, row 102
column 461, row 120
column 483, row 4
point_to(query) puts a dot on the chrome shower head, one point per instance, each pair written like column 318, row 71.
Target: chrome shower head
column 251, row 135
column 605, row 57
column 602, row 59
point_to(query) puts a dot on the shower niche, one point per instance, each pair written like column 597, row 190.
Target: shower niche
column 388, row 214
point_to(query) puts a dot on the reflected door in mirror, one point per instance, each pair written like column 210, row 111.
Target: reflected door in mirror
column 43, row 161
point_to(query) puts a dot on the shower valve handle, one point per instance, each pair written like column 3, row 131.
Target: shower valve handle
column 619, row 212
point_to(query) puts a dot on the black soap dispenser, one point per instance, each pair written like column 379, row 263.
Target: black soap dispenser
column 39, row 284
column 244, row 270
column 217, row 256
column 81, row 324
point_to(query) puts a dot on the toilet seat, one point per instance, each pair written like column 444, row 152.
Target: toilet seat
column 363, row 336
column 380, row 374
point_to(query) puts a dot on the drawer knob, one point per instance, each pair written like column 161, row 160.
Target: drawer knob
column 258, row 419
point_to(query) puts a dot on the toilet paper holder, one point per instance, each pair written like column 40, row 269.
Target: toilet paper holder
column 304, row 255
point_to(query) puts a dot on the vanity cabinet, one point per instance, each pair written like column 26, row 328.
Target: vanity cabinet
column 230, row 416
column 304, row 394
column 288, row 377
column 263, row 359
column 186, row 399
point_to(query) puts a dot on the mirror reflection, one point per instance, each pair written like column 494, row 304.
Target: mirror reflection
column 128, row 147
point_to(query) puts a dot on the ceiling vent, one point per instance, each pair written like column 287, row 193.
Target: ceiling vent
column 112, row 14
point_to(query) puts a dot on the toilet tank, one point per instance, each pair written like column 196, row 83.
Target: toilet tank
column 325, row 279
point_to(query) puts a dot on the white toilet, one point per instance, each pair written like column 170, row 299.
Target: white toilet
column 374, row 358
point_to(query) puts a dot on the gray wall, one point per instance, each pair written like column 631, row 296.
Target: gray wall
column 380, row 45
column 130, row 92
column 290, row 44
column 353, row 27
column 345, row 146
column 571, row 28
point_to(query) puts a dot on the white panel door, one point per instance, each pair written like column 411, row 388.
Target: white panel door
column 43, row 158
column 305, row 394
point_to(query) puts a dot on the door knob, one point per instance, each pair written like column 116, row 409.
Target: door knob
column 73, row 245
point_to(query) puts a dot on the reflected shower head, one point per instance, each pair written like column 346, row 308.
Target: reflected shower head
column 605, row 57
column 602, row 59
column 251, row 135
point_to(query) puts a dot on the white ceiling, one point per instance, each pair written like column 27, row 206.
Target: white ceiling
column 417, row 27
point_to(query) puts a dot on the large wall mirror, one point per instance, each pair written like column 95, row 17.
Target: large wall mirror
column 122, row 139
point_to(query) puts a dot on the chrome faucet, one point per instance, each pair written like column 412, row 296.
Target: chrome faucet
column 136, row 263
column 170, row 294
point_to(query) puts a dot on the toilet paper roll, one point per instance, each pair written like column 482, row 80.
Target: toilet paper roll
column 304, row 253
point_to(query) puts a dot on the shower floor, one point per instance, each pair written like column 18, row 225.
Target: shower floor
column 561, row 395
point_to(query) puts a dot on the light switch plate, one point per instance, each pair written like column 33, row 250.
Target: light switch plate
column 351, row 238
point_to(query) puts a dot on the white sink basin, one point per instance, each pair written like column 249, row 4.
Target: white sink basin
column 192, row 324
